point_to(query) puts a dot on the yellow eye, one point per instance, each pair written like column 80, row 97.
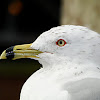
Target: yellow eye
column 61, row 42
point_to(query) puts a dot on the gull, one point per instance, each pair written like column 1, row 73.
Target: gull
column 70, row 58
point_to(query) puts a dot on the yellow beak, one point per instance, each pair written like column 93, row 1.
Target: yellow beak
column 20, row 51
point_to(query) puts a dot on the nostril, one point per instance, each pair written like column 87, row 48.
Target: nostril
column 18, row 49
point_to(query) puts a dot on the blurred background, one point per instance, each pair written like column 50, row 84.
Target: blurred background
column 22, row 21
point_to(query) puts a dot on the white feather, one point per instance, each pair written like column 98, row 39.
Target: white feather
column 70, row 72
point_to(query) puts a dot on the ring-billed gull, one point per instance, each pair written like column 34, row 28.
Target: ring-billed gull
column 70, row 58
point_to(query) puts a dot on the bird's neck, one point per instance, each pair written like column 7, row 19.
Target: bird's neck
column 56, row 62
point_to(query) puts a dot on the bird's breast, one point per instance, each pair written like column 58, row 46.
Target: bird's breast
column 39, row 87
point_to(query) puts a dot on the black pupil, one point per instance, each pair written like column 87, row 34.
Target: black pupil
column 60, row 42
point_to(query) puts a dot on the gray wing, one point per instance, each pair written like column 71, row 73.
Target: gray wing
column 85, row 89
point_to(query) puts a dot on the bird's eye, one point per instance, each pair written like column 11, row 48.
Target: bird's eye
column 61, row 42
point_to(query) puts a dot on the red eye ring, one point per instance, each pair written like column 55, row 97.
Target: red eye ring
column 61, row 42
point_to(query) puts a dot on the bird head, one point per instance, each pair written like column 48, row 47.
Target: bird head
column 67, row 42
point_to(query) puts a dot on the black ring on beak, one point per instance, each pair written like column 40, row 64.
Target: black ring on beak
column 9, row 52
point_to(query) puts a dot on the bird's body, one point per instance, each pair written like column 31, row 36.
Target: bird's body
column 70, row 69
column 63, row 84
column 71, row 72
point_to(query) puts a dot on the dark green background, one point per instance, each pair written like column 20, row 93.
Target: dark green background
column 13, row 74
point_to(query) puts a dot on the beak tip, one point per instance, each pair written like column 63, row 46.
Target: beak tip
column 3, row 55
